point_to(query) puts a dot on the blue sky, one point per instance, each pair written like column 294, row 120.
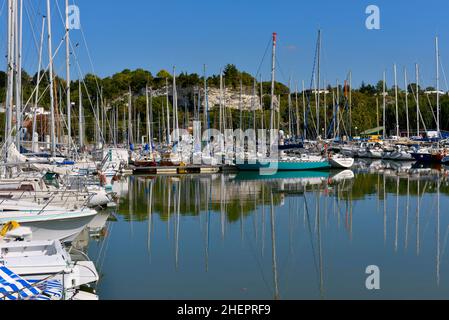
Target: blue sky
column 157, row 34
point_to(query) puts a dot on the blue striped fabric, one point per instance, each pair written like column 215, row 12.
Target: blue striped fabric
column 52, row 289
column 13, row 287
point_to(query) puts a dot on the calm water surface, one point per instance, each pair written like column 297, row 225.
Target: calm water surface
column 290, row 236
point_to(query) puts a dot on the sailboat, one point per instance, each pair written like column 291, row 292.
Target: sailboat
column 282, row 162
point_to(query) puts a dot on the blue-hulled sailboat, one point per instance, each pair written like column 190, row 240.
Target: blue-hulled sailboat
column 281, row 163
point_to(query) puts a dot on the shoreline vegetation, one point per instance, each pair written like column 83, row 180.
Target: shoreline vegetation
column 112, row 93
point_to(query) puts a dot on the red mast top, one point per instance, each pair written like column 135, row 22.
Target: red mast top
column 274, row 37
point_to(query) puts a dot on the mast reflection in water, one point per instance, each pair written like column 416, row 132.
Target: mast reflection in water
column 304, row 235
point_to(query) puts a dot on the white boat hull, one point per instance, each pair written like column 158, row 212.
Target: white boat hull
column 341, row 163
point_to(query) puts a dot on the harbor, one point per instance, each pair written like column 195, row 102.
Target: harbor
column 217, row 183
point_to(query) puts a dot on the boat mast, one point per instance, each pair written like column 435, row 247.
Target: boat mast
column 325, row 109
column 80, row 116
column 220, row 121
column 297, row 109
column 97, row 122
column 384, row 97
column 205, row 110
column 130, row 126
column 290, row 106
column 241, row 105
column 318, row 86
column 338, row 109
column 262, row 120
column 168, row 113
column 67, row 61
column 148, row 116
column 253, row 102
column 350, row 103
column 50, row 71
column 36, row 98
column 406, row 102
column 273, row 69
column 417, row 99
column 437, row 53
column 18, row 39
column 175, row 108
column 304, row 109
column 335, row 108
column 9, row 91
column 396, row 99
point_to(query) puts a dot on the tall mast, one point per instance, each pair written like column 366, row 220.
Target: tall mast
column 417, row 99
column 241, row 105
column 148, row 116
column 384, row 97
column 406, row 102
column 103, row 118
column 338, row 109
column 50, row 71
column 168, row 114
column 220, row 121
column 125, row 136
column 304, row 109
column 18, row 36
column 318, row 84
column 36, row 97
column 297, row 109
column 175, row 107
column 80, row 116
column 290, row 106
column 273, row 69
column 206, row 125
column 254, row 105
column 396, row 99
column 10, row 91
column 262, row 120
column 335, row 108
column 325, row 110
column 130, row 125
column 350, row 103
column 97, row 122
column 437, row 53
column 67, row 62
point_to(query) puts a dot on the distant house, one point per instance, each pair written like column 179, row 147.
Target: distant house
column 320, row 91
column 435, row 92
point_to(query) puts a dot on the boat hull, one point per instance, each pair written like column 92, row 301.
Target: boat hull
column 428, row 157
column 342, row 163
column 284, row 166
column 58, row 226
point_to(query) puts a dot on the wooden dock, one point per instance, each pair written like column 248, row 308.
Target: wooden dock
column 176, row 170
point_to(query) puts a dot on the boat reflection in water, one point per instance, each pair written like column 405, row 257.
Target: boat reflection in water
column 297, row 235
